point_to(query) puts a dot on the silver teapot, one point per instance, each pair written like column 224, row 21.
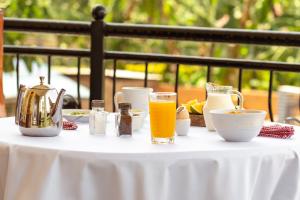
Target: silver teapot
column 39, row 110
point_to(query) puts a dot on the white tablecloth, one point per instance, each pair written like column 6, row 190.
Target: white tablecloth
column 76, row 165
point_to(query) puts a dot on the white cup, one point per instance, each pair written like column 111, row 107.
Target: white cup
column 183, row 126
column 137, row 96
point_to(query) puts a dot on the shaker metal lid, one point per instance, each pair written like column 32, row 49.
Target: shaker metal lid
column 42, row 86
column 124, row 105
column 98, row 103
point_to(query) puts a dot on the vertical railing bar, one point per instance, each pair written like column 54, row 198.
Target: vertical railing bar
column 49, row 69
column 114, row 84
column 208, row 73
column 270, row 96
column 240, row 82
column 146, row 75
column 177, row 82
column 207, row 77
column 299, row 104
column 18, row 71
column 78, row 81
column 240, row 79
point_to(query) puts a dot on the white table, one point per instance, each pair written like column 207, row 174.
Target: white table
column 76, row 165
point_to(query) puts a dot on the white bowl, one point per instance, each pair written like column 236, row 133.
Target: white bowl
column 76, row 115
column 183, row 126
column 241, row 127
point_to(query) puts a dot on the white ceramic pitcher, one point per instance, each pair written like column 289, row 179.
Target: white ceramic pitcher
column 219, row 97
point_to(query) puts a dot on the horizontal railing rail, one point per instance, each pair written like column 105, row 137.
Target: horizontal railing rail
column 194, row 60
column 47, row 26
column 224, row 35
column 158, row 58
column 46, row 51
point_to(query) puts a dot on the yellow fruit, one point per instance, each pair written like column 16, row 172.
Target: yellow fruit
column 197, row 108
column 192, row 102
column 189, row 104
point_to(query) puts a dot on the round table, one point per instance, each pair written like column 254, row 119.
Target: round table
column 77, row 165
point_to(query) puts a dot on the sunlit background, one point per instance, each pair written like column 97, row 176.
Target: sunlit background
column 280, row 15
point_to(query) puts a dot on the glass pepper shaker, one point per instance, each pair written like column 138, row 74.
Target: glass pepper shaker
column 97, row 118
column 124, row 120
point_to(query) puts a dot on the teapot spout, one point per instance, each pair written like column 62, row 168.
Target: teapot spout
column 57, row 107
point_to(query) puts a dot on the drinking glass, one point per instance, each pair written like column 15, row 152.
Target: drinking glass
column 162, row 107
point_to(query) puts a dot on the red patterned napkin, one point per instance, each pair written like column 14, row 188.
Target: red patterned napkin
column 67, row 125
column 277, row 131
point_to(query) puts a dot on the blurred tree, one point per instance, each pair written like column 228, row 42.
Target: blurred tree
column 279, row 15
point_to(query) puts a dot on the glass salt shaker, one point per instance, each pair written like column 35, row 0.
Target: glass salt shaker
column 124, row 120
column 97, row 118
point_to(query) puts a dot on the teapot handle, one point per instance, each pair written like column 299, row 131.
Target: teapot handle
column 240, row 97
column 19, row 103
column 55, row 112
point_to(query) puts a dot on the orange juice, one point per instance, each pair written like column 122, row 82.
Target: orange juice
column 162, row 119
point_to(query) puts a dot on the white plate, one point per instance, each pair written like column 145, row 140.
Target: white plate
column 70, row 115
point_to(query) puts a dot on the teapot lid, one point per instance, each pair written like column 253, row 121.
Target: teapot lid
column 42, row 86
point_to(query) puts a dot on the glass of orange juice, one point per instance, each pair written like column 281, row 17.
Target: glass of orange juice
column 162, row 107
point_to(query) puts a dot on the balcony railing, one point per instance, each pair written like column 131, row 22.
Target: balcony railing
column 98, row 30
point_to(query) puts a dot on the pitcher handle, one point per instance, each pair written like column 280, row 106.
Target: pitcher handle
column 117, row 96
column 240, row 97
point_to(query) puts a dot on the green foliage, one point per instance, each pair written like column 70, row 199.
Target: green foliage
column 280, row 15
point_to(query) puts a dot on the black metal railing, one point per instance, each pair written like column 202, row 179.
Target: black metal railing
column 98, row 30
column 47, row 26
column 192, row 34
